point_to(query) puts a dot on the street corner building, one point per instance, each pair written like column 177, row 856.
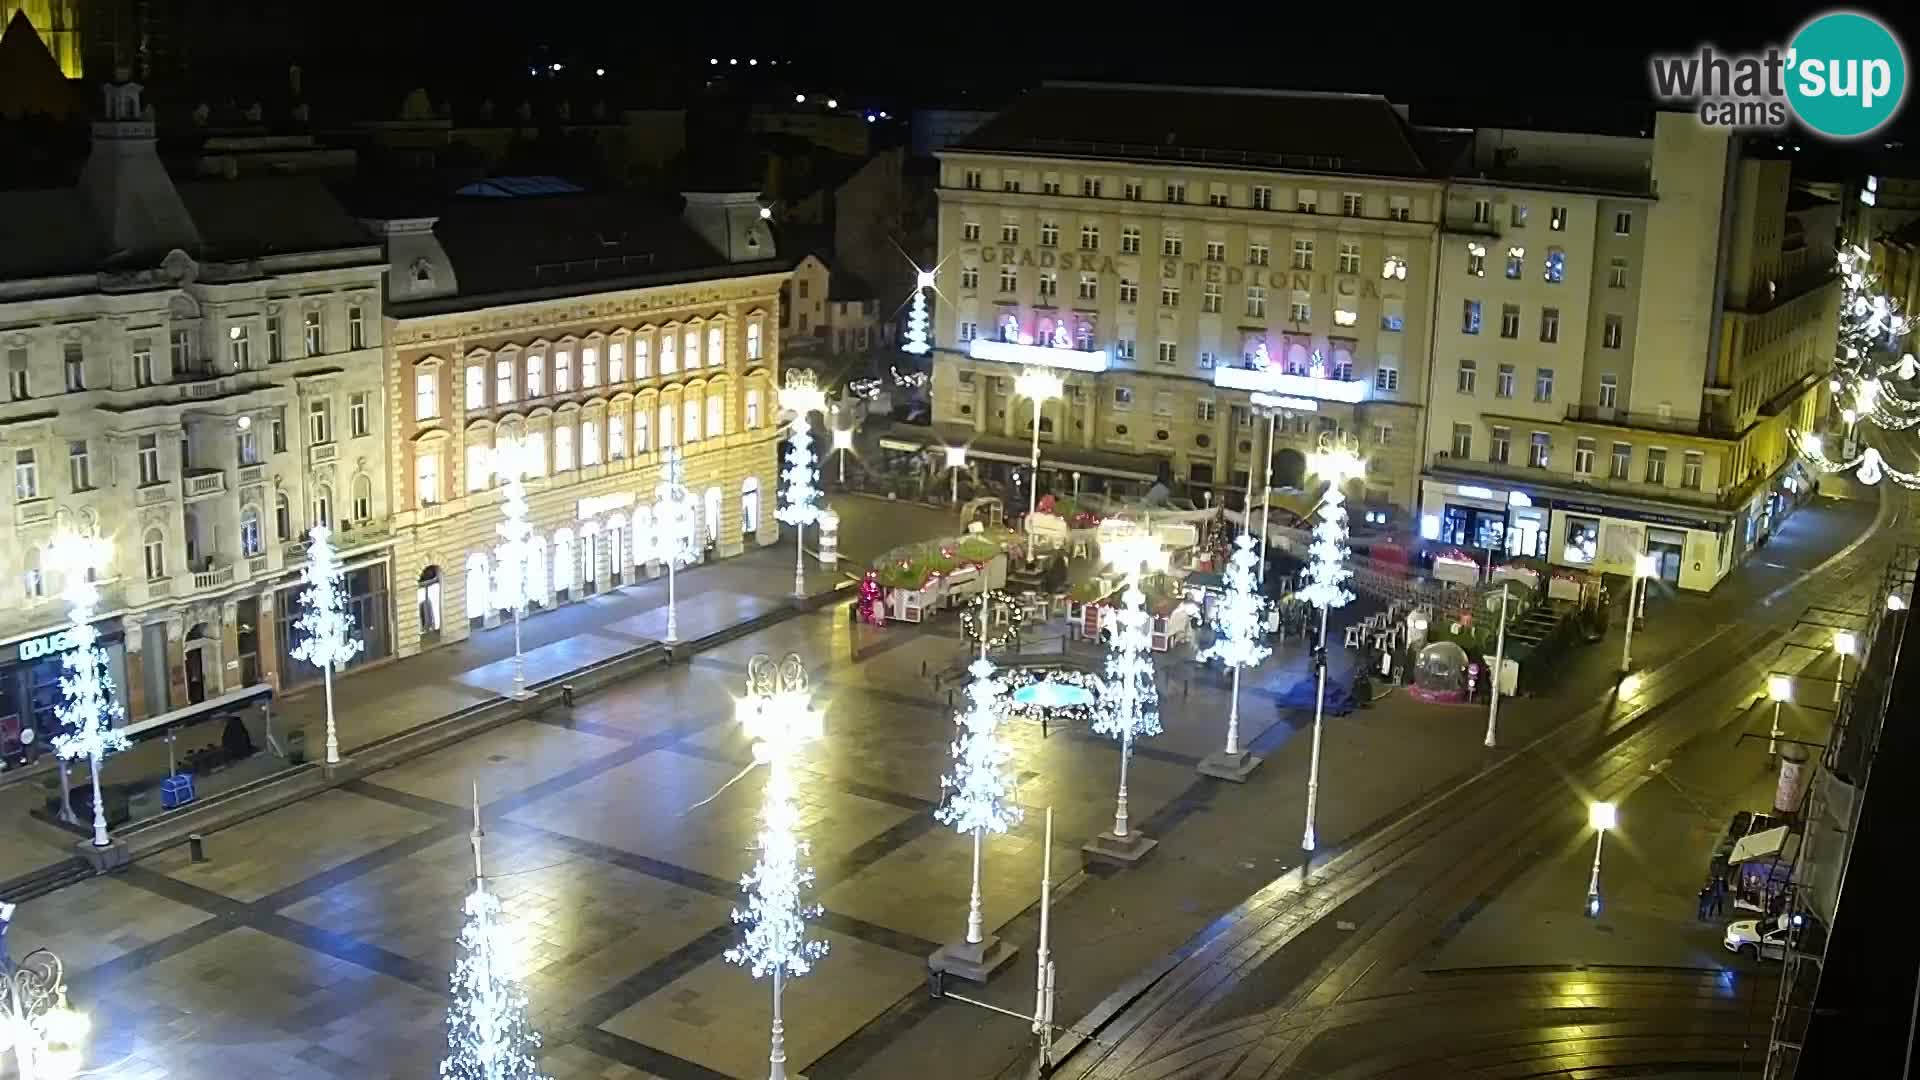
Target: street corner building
column 593, row 332
column 193, row 373
column 1567, row 346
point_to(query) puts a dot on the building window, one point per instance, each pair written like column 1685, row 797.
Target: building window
column 1132, row 190
column 179, row 354
column 589, row 367
column 1518, row 216
column 1169, row 296
column 1386, row 378
column 17, row 374
column 1089, row 238
column 359, row 413
column 74, row 362
column 1171, row 244
column 362, row 498
column 247, row 448
column 1556, row 266
column 1217, row 195
column 79, row 467
column 251, row 543
column 1049, row 284
column 1204, row 410
column 589, row 442
column 426, row 394
column 503, row 381
column 1210, row 295
column 476, row 386
column 1049, row 234
column 1611, row 333
column 1176, row 192
column 276, row 343
column 616, row 437
column 1353, row 204
column 1009, row 232
column 1216, row 251
column 1169, row 352
column 1502, row 442
column 278, row 425
column 282, row 517
column 426, row 480
column 1656, row 465
column 479, row 466
column 1691, row 466
column 1549, row 325
column 641, row 419
column 1609, row 390
column 666, row 427
column 562, row 444
column 1557, row 219
column 1050, row 184
column 968, row 331
column 1462, row 441
column 1399, row 208
column 1617, row 273
column 1393, row 318
column 143, row 373
column 970, row 179
column 690, row 422
column 1469, row 376
column 1306, row 201
column 563, row 365
column 969, row 232
column 716, row 415
column 669, row 353
column 1009, row 279
column 1622, row 465
column 1503, row 381
column 1623, row 223
column 1349, row 256
column 1207, row 360
column 534, row 453
column 153, row 547
column 1543, row 384
column 1262, row 197
column 1483, row 211
column 315, row 334
column 1516, row 263
column 149, row 458
column 1540, row 450
column 1130, row 240
column 755, row 350
column 1010, row 183
column 1258, row 254
column 319, row 421
column 1303, row 254
column 1256, row 302
column 1090, row 186
column 1129, row 291
column 1477, row 260
column 1300, row 311
column 1470, row 317
column 1510, row 320
column 356, row 327
column 1089, row 287
column 1123, row 349
column 1583, row 456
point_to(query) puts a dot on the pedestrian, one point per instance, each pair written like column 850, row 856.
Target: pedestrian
column 1706, row 902
column 1719, row 902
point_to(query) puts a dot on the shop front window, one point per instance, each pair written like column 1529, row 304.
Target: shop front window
column 1583, row 541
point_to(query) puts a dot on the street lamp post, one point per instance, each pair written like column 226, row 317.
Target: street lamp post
column 1643, row 566
column 510, row 564
column 956, row 460
column 842, row 444
column 45, row 1034
column 1131, row 699
column 1780, row 690
column 89, row 716
column 1844, row 643
column 800, row 396
column 1039, row 386
column 1266, row 489
column 1499, row 663
column 1337, row 461
column 1602, row 816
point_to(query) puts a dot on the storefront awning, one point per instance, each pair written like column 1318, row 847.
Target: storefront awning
column 1759, row 845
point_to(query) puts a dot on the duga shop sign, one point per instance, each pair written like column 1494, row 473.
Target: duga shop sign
column 46, row 645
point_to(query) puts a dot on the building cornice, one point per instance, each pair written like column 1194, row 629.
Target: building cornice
column 414, row 328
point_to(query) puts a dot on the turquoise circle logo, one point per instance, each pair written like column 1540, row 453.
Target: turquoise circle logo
column 1846, row 74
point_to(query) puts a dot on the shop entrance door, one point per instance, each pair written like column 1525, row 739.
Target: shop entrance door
column 1667, row 548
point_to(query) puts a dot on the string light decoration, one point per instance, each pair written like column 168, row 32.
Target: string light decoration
column 516, row 547
column 1868, row 360
column 88, row 713
column 777, row 715
column 488, row 1034
column 676, row 539
column 916, row 344
column 1129, row 693
column 800, row 507
column 980, row 787
column 1043, row 712
column 1336, row 462
column 1868, row 465
column 1009, row 631
column 326, row 626
column 1242, row 641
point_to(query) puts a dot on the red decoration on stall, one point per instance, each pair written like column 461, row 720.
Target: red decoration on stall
column 870, row 609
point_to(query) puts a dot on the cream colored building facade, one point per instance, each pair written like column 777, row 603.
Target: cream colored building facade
column 596, row 380
column 1190, row 277
column 199, row 401
column 1629, row 328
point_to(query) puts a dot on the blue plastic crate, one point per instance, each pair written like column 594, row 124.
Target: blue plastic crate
column 176, row 791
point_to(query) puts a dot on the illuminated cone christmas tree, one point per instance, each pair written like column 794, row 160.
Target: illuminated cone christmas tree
column 488, row 1036
column 325, row 625
column 87, row 712
column 916, row 343
column 1241, row 644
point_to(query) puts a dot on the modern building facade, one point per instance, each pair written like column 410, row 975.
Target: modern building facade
column 1628, row 331
column 595, row 332
column 1174, row 251
column 193, row 374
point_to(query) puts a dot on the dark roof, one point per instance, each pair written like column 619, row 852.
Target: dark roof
column 843, row 284
column 563, row 241
column 271, row 215
column 1355, row 133
column 797, row 241
column 50, row 231
column 30, row 78
column 1799, row 199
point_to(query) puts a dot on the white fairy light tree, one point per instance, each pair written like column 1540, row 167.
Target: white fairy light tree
column 676, row 529
column 917, row 344
column 325, row 625
column 979, row 800
column 488, row 1034
column 777, row 715
column 1868, row 359
column 1327, row 574
column 800, row 505
column 516, row 547
column 1129, row 695
column 1241, row 644
column 88, row 714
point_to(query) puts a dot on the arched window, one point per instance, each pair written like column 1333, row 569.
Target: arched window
column 322, row 506
column 563, row 560
column 690, row 431
column 536, row 455
column 753, row 340
column 716, row 413
column 562, row 446
column 616, row 436
column 1296, row 359
column 477, row 585
column 666, row 427
column 589, row 442
column 750, row 506
column 716, row 346
column 363, row 498
column 692, row 343
column 589, row 367
column 251, row 543
column 536, row 375
column 427, row 596
column 282, row 517
column 154, row 547
column 669, row 360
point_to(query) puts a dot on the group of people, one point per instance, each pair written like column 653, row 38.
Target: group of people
column 1713, row 897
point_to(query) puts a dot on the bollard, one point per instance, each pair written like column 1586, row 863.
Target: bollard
column 196, row 847
column 566, row 694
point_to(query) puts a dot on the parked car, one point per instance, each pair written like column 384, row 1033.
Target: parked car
column 1758, row 939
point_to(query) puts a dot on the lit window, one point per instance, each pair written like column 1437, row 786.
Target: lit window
column 426, row 479
column 426, row 394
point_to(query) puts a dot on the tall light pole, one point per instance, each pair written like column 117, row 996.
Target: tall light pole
column 1780, row 691
column 510, row 561
column 1241, row 644
column 842, row 445
column 1643, row 566
column 1602, row 816
column 1336, row 462
column 800, row 396
column 326, row 626
column 1274, row 409
column 89, row 716
column 1130, row 698
column 674, row 529
column 1499, row 663
column 780, row 719
column 956, row 460
column 1844, row 643
column 46, row 1035
column 1039, row 386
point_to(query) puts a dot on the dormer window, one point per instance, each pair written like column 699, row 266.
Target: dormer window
column 422, row 272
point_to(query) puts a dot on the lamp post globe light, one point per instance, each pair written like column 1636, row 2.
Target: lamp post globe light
column 1644, row 566
column 956, row 460
column 780, row 719
column 1039, row 386
column 1337, row 461
column 1779, row 691
column 676, row 529
column 46, row 1035
column 516, row 547
column 88, row 713
column 1129, row 696
column 801, row 395
column 1844, row 643
column 325, row 625
column 1601, row 816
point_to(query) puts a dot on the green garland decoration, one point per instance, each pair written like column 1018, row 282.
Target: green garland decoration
column 1009, row 631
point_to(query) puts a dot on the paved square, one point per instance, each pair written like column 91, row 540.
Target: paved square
column 96, row 921
column 549, row 661
column 922, row 888
column 504, row 761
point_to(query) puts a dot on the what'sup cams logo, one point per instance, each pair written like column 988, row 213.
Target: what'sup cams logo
column 1844, row 75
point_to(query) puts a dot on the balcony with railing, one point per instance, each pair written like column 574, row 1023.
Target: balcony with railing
column 201, row 483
